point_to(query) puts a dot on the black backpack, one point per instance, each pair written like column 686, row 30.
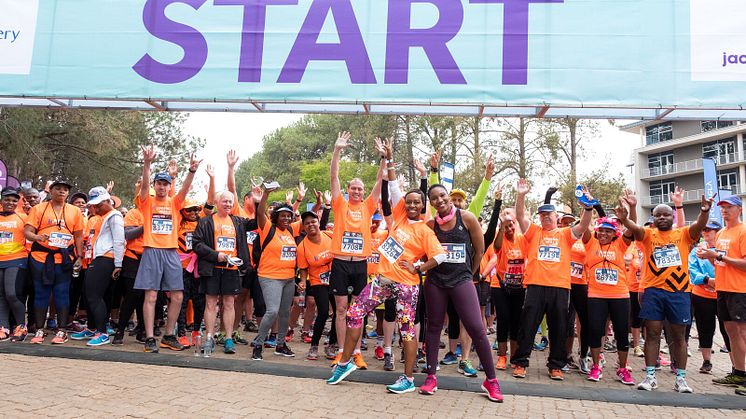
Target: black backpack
column 256, row 251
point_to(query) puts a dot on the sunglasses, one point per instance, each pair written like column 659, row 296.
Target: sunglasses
column 193, row 209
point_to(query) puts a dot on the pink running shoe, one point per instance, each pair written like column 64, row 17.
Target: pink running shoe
column 595, row 374
column 430, row 386
column 492, row 387
column 625, row 376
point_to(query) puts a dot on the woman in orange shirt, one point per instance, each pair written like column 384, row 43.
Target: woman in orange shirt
column 13, row 264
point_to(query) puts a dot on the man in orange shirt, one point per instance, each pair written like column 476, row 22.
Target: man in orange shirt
column 160, row 267
column 729, row 258
column 547, row 281
column 351, row 243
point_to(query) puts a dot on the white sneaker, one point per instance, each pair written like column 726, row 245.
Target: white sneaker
column 649, row 384
column 585, row 365
column 681, row 386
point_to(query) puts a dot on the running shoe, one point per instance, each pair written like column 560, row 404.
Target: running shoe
column 625, row 376
column 220, row 338
column 75, row 327
column 502, row 362
column 284, row 350
column 465, row 367
column 648, row 384
column 59, row 338
column 330, row 351
column 237, row 338
column 430, row 386
column 664, row 348
column 229, row 347
column 585, row 365
column 421, row 359
column 610, row 347
column 289, row 335
column 449, row 359
column 38, row 337
column 602, row 359
column 372, row 334
column 256, row 354
column 378, row 353
column 556, row 375
column 441, row 345
column 571, row 363
column 4, row 334
column 110, row 330
column 184, row 341
column 140, row 336
column 596, row 374
column 457, row 352
column 99, row 339
column 251, row 327
column 337, row 358
column 359, row 361
column 363, row 345
column 172, row 343
column 542, row 344
column 492, row 388
column 730, row 380
column 491, row 330
column 157, row 331
column 706, row 367
column 150, row 345
column 85, row 334
column 681, row 386
column 388, row 362
column 313, row 353
column 741, row 391
column 341, row 372
column 19, row 335
column 306, row 337
column 519, row 372
column 495, row 346
column 638, row 352
column 565, row 368
column 271, row 342
column 118, row 339
column 401, row 386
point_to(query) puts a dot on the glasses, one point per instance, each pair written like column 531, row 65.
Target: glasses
column 194, row 209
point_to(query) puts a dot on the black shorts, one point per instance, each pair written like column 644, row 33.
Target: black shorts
column 732, row 306
column 348, row 277
column 483, row 292
column 222, row 282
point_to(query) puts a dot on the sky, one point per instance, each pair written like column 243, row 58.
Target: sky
column 244, row 132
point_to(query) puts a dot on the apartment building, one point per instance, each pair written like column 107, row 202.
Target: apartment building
column 671, row 155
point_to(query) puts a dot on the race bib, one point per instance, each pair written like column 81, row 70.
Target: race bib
column 352, row 243
column 188, row 240
column 6, row 237
column 455, row 252
column 288, row 253
column 514, row 273
column 391, row 250
column 60, row 240
column 250, row 237
column 324, row 277
column 576, row 270
column 607, row 276
column 549, row 253
column 666, row 256
column 227, row 244
column 162, row 224
column 374, row 257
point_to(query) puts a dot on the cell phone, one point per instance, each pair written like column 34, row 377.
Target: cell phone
column 271, row 185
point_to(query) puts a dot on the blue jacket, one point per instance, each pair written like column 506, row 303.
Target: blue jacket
column 699, row 268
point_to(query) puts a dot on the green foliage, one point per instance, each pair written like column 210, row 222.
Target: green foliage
column 603, row 187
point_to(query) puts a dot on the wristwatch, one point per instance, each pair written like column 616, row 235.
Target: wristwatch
column 720, row 257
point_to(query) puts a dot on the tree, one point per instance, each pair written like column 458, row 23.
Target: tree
column 521, row 145
column 603, row 187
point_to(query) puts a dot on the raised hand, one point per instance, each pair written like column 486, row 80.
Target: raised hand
column 489, row 168
column 232, row 158
column 343, row 140
column 110, row 186
column 148, row 153
column 622, row 210
column 677, row 196
column 522, row 187
column 194, row 163
column 301, row 191
column 289, row 197
column 631, row 197
column 256, row 193
column 172, row 168
column 327, row 198
column 435, row 159
column 707, row 203
column 420, row 168
column 210, row 171
column 498, row 192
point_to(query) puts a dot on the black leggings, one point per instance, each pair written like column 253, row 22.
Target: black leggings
column 579, row 305
column 454, row 326
column 78, row 298
column 600, row 309
column 260, row 307
column 11, row 289
column 635, row 321
column 97, row 282
column 133, row 299
column 320, row 294
column 191, row 292
column 705, row 311
column 508, row 303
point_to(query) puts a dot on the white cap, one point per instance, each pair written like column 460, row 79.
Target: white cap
column 98, row 195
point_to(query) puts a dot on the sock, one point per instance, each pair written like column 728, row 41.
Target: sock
column 356, row 351
column 343, row 364
column 379, row 342
column 650, row 371
column 341, row 350
column 411, row 379
column 680, row 373
column 739, row 373
column 209, row 336
column 387, row 350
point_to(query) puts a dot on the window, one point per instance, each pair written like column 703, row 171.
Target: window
column 658, row 133
column 711, row 125
column 659, row 191
column 728, row 179
column 722, row 151
column 660, row 164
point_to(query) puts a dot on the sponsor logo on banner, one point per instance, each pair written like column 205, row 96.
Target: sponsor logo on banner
column 17, row 32
column 718, row 44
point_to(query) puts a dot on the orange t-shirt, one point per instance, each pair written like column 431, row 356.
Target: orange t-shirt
column 60, row 227
column 408, row 241
column 548, row 254
column 278, row 258
column 352, row 237
column 225, row 238
column 633, row 272
column 316, row 258
column 511, row 262
column 89, row 235
column 376, row 238
column 134, row 247
column 490, row 276
column 577, row 264
column 161, row 220
column 666, row 259
column 607, row 276
column 731, row 242
column 12, row 239
column 186, row 233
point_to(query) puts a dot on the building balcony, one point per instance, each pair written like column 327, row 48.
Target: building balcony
column 690, row 197
column 688, row 166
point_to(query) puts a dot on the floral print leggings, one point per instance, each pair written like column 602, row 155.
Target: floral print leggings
column 378, row 291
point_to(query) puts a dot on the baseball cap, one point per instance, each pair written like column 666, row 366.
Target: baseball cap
column 567, row 215
column 60, row 181
column 98, row 195
column 459, row 192
column 547, row 208
column 650, row 221
column 162, row 176
column 11, row 192
column 713, row 224
column 77, row 195
column 191, row 203
column 308, row 214
column 732, row 200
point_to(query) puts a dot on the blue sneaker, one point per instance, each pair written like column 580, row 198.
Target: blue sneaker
column 229, row 347
column 99, row 339
column 465, row 367
column 372, row 334
column 457, row 352
column 449, row 359
column 110, row 330
column 341, row 372
column 494, row 346
column 401, row 386
column 543, row 343
column 85, row 334
column 271, row 342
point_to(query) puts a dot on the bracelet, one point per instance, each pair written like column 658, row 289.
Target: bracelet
column 588, row 209
column 433, row 169
column 298, row 200
column 679, row 207
column 192, row 171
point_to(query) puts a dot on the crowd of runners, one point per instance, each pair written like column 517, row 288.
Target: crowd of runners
column 80, row 266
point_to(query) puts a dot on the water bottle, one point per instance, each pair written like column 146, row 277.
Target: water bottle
column 197, row 343
column 302, row 298
column 208, row 347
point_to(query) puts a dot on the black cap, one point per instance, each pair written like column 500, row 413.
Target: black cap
column 77, row 195
column 60, row 181
column 10, row 192
column 308, row 214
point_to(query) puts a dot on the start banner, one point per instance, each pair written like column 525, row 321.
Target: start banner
column 576, row 53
